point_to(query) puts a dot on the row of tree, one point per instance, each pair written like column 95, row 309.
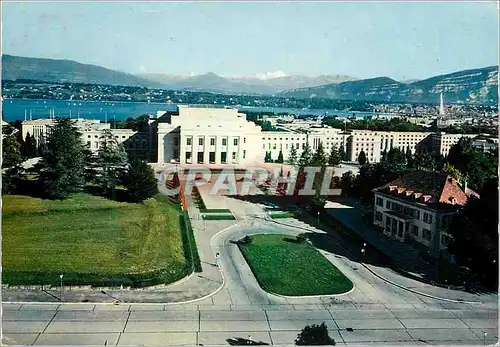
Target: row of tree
column 474, row 230
column 67, row 166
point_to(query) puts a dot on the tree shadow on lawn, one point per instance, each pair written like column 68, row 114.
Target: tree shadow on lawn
column 119, row 195
column 239, row 341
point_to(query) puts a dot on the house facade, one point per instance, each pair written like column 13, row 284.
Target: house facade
column 417, row 208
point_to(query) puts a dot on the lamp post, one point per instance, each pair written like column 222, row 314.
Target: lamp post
column 61, row 292
column 318, row 217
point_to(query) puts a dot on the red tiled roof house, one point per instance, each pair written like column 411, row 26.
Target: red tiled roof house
column 418, row 206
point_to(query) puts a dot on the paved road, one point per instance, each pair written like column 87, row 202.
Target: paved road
column 375, row 312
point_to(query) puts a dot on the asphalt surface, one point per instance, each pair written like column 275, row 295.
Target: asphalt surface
column 374, row 312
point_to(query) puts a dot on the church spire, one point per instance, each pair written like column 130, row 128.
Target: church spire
column 441, row 105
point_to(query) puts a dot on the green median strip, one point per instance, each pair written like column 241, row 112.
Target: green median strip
column 284, row 265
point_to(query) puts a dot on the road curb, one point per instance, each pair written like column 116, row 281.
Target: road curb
column 389, row 281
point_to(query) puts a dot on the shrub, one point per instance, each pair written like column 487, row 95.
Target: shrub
column 314, row 335
column 302, row 237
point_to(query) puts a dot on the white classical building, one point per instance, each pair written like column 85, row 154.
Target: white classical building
column 207, row 135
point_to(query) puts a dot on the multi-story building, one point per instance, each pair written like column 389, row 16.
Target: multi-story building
column 221, row 135
column 136, row 143
column 207, row 135
column 418, row 207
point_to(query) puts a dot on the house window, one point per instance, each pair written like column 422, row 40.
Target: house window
column 297, row 146
column 264, row 146
column 211, row 157
column 200, row 141
column 244, row 154
column 88, row 143
column 426, row 234
column 188, row 141
column 415, row 230
column 428, row 218
column 234, row 155
column 224, row 142
column 388, row 204
column 416, row 214
column 223, row 157
column 188, row 156
column 212, row 142
column 274, row 146
column 380, row 202
column 235, row 142
column 378, row 216
column 244, row 140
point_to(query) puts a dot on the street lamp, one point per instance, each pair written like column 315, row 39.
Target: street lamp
column 61, row 293
column 318, row 217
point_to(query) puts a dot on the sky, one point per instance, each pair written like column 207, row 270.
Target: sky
column 412, row 40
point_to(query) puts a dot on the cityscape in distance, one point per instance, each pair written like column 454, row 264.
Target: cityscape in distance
column 257, row 173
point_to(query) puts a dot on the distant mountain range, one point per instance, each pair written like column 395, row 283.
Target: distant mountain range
column 52, row 70
column 468, row 86
column 243, row 85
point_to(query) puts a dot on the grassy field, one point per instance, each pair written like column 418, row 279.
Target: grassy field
column 280, row 214
column 91, row 240
column 284, row 266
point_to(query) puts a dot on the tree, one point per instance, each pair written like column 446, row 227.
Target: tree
column 409, row 158
column 335, row 156
column 383, row 157
column 140, row 181
column 395, row 160
column 450, row 170
column 305, row 157
column 474, row 164
column 111, row 162
column 474, row 234
column 314, row 335
column 347, row 182
column 362, row 158
column 319, row 159
column 62, row 165
column 280, row 157
column 30, row 147
column 292, row 156
column 267, row 158
column 11, row 152
column 343, row 154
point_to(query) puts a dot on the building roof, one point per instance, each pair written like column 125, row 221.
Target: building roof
column 429, row 188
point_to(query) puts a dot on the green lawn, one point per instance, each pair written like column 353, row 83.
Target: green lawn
column 283, row 266
column 280, row 214
column 91, row 240
column 217, row 217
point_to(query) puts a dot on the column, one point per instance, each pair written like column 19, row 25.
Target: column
column 182, row 148
column 161, row 147
column 229, row 147
column 239, row 156
column 218, row 146
column 206, row 149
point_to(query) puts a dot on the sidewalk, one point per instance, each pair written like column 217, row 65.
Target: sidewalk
column 389, row 275
column 402, row 255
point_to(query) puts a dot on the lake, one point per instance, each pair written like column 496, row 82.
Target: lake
column 17, row 109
